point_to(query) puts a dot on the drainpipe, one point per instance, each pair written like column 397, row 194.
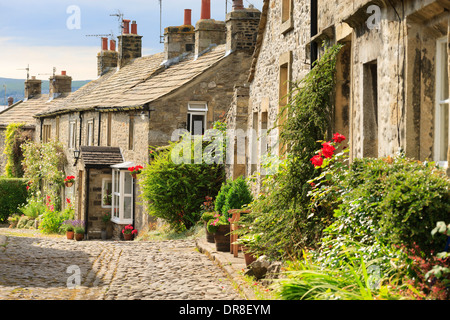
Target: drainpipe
column 314, row 31
column 81, row 125
column 99, row 126
column 86, row 205
column 40, row 133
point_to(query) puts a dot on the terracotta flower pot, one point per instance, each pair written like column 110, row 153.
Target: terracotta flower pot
column 248, row 257
column 222, row 238
column 69, row 184
column 127, row 236
column 70, row 235
column 79, row 236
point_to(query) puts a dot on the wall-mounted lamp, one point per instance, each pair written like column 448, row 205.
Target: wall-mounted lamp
column 76, row 155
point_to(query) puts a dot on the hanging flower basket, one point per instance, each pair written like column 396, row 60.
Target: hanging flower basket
column 69, row 180
column 134, row 171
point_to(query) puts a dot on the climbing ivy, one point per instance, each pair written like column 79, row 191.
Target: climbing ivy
column 44, row 169
column 15, row 136
column 280, row 216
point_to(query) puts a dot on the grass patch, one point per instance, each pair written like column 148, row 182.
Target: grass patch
column 162, row 232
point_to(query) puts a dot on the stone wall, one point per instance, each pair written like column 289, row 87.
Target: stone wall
column 242, row 29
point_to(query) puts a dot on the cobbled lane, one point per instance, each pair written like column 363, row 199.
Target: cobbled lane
column 37, row 267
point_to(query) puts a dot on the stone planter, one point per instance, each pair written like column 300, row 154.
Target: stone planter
column 222, row 238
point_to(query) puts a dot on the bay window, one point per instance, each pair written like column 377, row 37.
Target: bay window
column 442, row 104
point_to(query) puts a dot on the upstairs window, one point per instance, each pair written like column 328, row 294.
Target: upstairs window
column 72, row 134
column 196, row 118
column 46, row 133
column 442, row 104
column 90, row 133
column 287, row 23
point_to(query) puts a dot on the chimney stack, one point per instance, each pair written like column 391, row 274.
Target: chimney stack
column 208, row 32
column 33, row 88
column 133, row 27
column 60, row 84
column 206, row 10
column 242, row 27
column 181, row 39
column 107, row 59
column 130, row 45
column 187, row 17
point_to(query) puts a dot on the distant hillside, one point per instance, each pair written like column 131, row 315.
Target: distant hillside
column 15, row 88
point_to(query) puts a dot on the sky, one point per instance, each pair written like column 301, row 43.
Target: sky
column 63, row 34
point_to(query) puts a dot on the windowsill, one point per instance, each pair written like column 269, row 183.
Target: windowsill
column 287, row 26
column 121, row 221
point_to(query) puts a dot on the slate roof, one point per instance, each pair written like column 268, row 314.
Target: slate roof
column 141, row 81
column 100, row 156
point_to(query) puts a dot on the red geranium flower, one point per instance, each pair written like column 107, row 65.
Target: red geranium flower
column 317, row 161
column 338, row 138
column 328, row 149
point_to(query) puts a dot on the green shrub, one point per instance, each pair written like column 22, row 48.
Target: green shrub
column 175, row 192
column 13, row 194
column 33, row 208
column 233, row 195
column 52, row 220
column 397, row 200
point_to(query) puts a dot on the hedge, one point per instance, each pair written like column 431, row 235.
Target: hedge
column 13, row 193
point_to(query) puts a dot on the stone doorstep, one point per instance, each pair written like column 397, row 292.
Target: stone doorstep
column 227, row 262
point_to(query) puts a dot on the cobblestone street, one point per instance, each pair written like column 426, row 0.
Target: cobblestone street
column 37, row 267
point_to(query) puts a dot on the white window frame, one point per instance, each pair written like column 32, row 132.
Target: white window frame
column 119, row 218
column 199, row 108
column 441, row 102
column 90, row 132
column 72, row 134
column 105, row 181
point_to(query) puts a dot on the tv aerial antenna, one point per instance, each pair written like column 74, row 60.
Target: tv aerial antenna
column 28, row 71
column 49, row 74
column 161, row 35
column 119, row 16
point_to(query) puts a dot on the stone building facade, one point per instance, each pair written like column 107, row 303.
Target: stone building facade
column 392, row 73
column 140, row 103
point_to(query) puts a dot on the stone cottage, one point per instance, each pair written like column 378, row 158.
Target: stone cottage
column 139, row 101
column 392, row 89
column 34, row 101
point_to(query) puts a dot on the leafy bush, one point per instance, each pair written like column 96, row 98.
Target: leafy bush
column 175, row 192
column 52, row 220
column 33, row 208
column 15, row 136
column 233, row 195
column 13, row 194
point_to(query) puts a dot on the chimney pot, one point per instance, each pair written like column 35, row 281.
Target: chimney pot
column 133, row 27
column 187, row 17
column 10, row 101
column 63, row 73
column 206, row 9
column 126, row 27
column 112, row 45
column 104, row 44
column 238, row 5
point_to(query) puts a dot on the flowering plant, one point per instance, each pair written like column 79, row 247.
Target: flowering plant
column 69, row 179
column 135, row 170
column 129, row 230
column 214, row 224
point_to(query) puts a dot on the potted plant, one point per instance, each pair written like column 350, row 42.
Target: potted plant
column 128, row 232
column 207, row 209
column 105, row 219
column 79, row 233
column 245, row 242
column 78, row 226
column 68, row 227
column 220, row 227
column 134, row 171
column 69, row 180
column 207, row 216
